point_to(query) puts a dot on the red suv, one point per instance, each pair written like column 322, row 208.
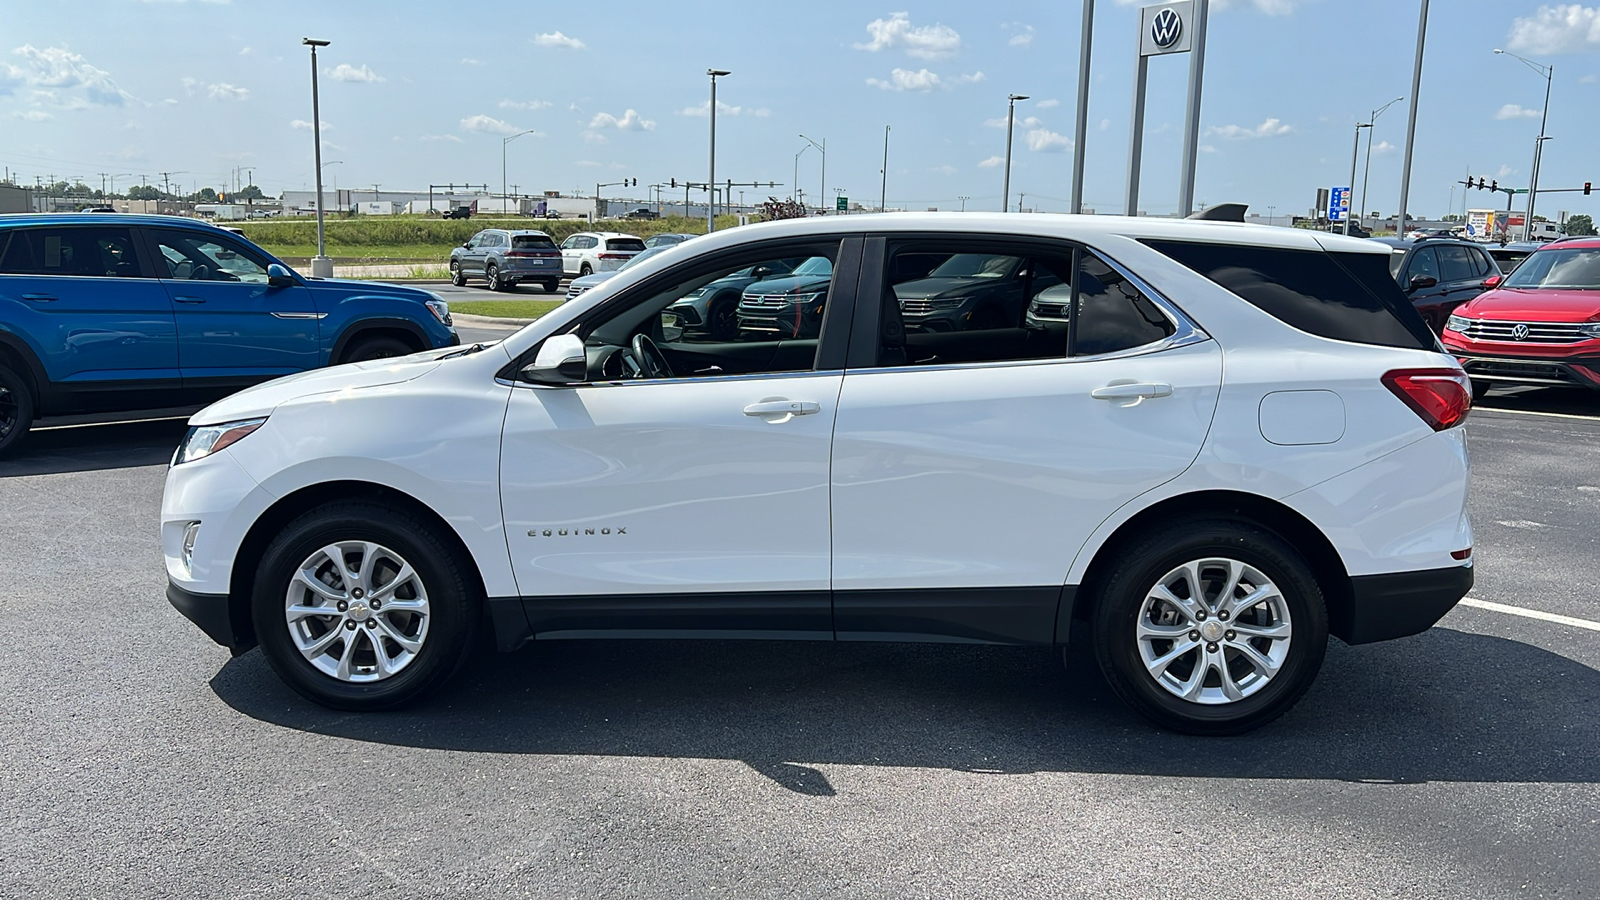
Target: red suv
column 1539, row 326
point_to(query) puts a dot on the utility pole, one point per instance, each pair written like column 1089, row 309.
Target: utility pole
column 822, row 189
column 321, row 265
column 711, row 182
column 965, row 199
column 1355, row 152
column 1411, row 123
column 1538, row 145
column 1080, row 131
column 1011, row 115
column 883, row 197
column 1366, row 169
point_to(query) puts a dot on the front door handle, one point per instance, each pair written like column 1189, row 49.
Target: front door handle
column 1131, row 391
column 781, row 407
column 40, row 298
column 189, row 299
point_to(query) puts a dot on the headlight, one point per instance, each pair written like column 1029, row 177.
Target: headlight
column 1591, row 330
column 1457, row 323
column 946, row 302
column 807, row 298
column 440, row 309
column 204, row 440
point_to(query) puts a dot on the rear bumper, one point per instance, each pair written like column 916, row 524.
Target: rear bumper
column 1385, row 607
column 216, row 615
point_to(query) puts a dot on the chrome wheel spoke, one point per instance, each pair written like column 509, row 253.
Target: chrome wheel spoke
column 296, row 613
column 1200, row 624
column 320, row 646
column 1150, row 630
column 335, row 555
column 1235, row 605
column 409, row 644
column 369, row 559
column 1187, row 607
column 386, row 666
column 1230, row 688
column 1158, row 666
column 401, row 578
column 304, row 577
column 1256, row 658
column 1279, row 632
column 1190, row 689
column 343, row 672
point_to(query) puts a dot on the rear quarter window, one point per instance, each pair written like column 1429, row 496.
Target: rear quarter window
column 1343, row 296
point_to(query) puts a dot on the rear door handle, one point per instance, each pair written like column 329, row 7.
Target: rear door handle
column 189, row 299
column 781, row 407
column 1131, row 391
column 40, row 298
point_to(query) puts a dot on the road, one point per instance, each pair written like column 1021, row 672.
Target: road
column 141, row 760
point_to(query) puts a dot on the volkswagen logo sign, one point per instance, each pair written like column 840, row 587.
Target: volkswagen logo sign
column 1167, row 28
column 1520, row 332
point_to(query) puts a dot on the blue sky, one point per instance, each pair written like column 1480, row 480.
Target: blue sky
column 417, row 92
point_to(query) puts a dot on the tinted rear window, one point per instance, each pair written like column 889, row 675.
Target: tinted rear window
column 532, row 242
column 1343, row 296
column 625, row 245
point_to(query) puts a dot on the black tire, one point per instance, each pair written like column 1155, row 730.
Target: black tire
column 491, row 273
column 1479, row 389
column 16, row 408
column 585, row 270
column 377, row 347
column 1141, row 565
column 550, row 287
column 453, row 594
column 722, row 321
column 457, row 277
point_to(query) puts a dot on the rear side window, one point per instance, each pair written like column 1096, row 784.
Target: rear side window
column 532, row 242
column 625, row 245
column 1343, row 296
column 93, row 251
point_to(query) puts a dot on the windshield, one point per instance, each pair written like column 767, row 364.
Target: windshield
column 975, row 265
column 1575, row 268
column 816, row 265
column 641, row 257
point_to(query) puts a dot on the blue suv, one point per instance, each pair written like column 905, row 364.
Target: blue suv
column 116, row 312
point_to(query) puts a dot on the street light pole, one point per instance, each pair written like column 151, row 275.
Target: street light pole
column 1538, row 146
column 822, row 189
column 796, row 189
column 963, row 202
column 1366, row 170
column 321, row 265
column 504, row 142
column 711, row 182
column 883, row 197
column 1355, row 153
column 1411, row 120
column 1011, row 115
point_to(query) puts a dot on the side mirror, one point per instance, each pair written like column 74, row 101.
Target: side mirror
column 1418, row 282
column 1493, row 281
column 466, row 245
column 761, row 272
column 561, row 360
column 279, row 276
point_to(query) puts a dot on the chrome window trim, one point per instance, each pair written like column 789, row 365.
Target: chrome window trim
column 700, row 379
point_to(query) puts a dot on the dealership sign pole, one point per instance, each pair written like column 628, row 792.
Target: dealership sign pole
column 1168, row 28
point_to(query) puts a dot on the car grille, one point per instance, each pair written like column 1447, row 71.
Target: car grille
column 576, row 289
column 764, row 302
column 916, row 307
column 1050, row 310
column 1536, row 333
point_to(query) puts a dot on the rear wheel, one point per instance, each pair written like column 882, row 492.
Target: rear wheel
column 377, row 347
column 585, row 269
column 550, row 287
column 363, row 606
column 16, row 408
column 1210, row 626
column 723, row 321
column 492, row 273
column 457, row 277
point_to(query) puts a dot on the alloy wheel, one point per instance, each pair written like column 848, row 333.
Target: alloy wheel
column 357, row 611
column 1213, row 631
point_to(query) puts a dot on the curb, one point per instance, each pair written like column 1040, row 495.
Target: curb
column 468, row 319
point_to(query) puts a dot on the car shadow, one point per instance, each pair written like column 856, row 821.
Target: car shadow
column 1442, row 706
column 50, row 450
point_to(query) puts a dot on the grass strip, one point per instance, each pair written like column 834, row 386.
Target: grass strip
column 504, row 309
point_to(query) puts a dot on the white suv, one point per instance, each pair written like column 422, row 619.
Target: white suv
column 1229, row 442
column 588, row 252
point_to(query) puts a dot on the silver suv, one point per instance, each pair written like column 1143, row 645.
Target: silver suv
column 588, row 252
column 504, row 258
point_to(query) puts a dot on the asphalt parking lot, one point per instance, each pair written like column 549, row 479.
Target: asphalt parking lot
column 141, row 760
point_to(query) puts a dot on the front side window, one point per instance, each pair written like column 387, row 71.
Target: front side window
column 1424, row 264
column 1456, row 263
column 200, row 257
column 1571, row 269
column 90, row 251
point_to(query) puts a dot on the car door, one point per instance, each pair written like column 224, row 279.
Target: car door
column 472, row 254
column 87, row 297
column 1429, row 299
column 233, row 326
column 696, row 502
column 969, row 467
column 1460, row 276
column 572, row 254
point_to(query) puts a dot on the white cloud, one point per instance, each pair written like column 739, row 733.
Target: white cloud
column 907, row 80
column 469, row 61
column 1022, row 38
column 1589, row 79
column 33, row 115
column 1043, row 140
column 481, row 124
column 1207, row 148
column 595, row 137
column 1383, row 148
column 305, row 125
column 991, row 162
column 347, row 72
column 1562, row 28
column 1104, row 124
column 1505, row 170
column 723, row 109
column 57, row 67
column 524, row 104
column 1048, row 104
column 441, row 137
column 1269, row 128
column 925, row 42
column 974, row 78
column 1513, row 111
column 224, row 91
column 944, row 170
column 628, row 121
column 557, row 39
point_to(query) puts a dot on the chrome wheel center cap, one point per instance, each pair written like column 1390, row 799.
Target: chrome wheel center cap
column 358, row 611
column 1212, row 630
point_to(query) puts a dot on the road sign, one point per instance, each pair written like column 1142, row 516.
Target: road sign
column 841, row 203
column 1338, row 204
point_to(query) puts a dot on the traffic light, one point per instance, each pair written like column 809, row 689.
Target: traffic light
column 1494, row 185
column 1586, row 188
column 635, row 183
column 1480, row 183
column 674, row 183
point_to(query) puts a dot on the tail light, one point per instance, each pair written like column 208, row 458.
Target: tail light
column 1442, row 397
column 616, row 256
column 533, row 254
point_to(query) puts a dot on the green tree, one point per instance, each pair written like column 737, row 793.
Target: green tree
column 1580, row 224
column 144, row 192
column 248, row 192
column 204, row 195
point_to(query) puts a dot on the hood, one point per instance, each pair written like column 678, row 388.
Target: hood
column 262, row 399
column 346, row 287
column 589, row 281
column 790, row 284
column 1533, row 305
column 927, row 288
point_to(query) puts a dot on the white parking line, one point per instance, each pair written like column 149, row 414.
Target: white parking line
column 110, row 422
column 1529, row 613
column 1530, row 412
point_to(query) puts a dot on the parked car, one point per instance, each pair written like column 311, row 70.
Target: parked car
column 505, row 257
column 599, row 474
column 1440, row 274
column 666, row 238
column 1541, row 326
column 972, row 291
column 643, row 212
column 598, row 251
column 1509, row 256
column 714, row 309
column 1356, row 229
column 459, row 212
column 788, row 305
column 583, row 283
column 103, row 313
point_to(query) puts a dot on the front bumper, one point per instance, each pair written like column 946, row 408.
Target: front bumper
column 222, row 620
column 1574, row 371
column 1385, row 607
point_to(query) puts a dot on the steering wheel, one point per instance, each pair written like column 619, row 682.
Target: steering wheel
column 652, row 363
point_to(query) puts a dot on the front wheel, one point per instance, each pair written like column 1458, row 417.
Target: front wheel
column 1212, row 626
column 457, row 277
column 16, row 408
column 362, row 606
column 379, row 347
